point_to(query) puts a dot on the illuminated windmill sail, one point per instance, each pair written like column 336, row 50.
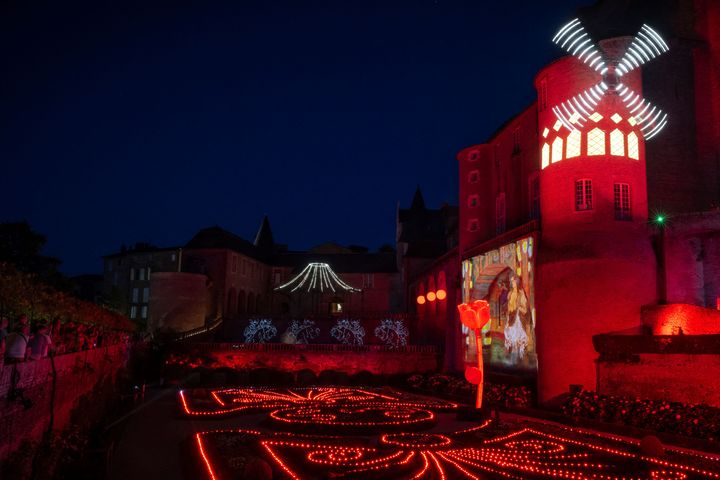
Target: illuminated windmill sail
column 647, row 44
column 317, row 277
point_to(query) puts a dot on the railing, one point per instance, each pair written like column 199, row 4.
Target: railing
column 314, row 347
column 200, row 330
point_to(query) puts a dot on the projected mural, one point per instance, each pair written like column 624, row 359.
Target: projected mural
column 503, row 277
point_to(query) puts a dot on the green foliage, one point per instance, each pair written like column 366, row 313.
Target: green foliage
column 23, row 293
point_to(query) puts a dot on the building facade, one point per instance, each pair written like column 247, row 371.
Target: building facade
column 570, row 228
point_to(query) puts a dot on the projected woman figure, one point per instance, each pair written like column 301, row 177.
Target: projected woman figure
column 516, row 340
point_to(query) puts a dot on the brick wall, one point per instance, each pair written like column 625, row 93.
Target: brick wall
column 682, row 378
column 76, row 375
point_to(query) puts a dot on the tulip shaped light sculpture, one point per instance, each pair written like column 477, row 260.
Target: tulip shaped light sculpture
column 475, row 316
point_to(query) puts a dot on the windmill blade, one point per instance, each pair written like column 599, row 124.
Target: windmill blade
column 646, row 45
column 650, row 118
column 577, row 109
column 573, row 38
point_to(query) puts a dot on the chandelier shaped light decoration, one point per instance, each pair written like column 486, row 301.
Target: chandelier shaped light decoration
column 317, row 277
column 646, row 45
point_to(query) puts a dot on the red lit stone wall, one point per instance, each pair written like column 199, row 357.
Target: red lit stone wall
column 78, row 374
column 506, row 165
column 681, row 319
column 179, row 301
column 437, row 321
column 673, row 377
column 293, row 358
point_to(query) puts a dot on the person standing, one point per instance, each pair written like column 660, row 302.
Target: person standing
column 16, row 345
column 39, row 344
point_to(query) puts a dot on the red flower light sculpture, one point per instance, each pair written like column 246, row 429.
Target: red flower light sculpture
column 475, row 316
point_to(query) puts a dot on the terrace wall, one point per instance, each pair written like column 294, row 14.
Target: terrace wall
column 54, row 388
column 679, row 368
column 375, row 359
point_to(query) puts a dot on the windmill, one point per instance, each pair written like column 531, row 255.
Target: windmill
column 645, row 46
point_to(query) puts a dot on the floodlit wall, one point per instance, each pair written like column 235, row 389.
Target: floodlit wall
column 52, row 392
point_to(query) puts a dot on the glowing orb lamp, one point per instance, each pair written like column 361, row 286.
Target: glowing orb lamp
column 441, row 294
column 431, row 296
column 420, row 299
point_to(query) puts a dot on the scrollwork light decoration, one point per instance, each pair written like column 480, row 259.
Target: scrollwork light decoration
column 303, row 331
column 259, row 331
column 348, row 332
column 392, row 333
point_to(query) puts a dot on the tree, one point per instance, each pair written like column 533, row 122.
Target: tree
column 20, row 246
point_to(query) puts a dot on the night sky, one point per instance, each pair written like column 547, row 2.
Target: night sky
column 123, row 122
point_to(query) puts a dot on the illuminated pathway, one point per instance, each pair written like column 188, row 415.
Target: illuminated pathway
column 381, row 434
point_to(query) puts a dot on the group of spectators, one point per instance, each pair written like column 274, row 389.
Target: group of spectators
column 25, row 342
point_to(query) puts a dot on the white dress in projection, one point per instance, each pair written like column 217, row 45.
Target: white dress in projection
column 516, row 340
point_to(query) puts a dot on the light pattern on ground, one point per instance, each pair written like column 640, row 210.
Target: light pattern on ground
column 486, row 450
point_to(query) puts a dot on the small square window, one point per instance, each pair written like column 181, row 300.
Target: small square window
column 472, row 201
column 473, row 225
column 473, row 155
column 474, row 176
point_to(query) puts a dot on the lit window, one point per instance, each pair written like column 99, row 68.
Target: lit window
column 500, row 213
column 617, row 143
column 574, row 117
column 557, row 126
column 573, row 144
column 173, row 257
column 141, row 273
column 473, row 224
column 143, row 311
column 133, row 312
column 474, row 176
column 472, row 201
column 621, row 194
column 596, row 142
column 557, row 149
column 545, row 132
column 583, row 194
column 596, row 117
column 146, row 294
column 545, row 155
column 633, row 147
column 135, row 294
column 616, row 118
column 632, row 121
column 132, row 274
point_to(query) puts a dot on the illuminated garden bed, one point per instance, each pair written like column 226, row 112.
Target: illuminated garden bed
column 312, row 433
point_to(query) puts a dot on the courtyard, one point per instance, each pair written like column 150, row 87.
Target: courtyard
column 371, row 433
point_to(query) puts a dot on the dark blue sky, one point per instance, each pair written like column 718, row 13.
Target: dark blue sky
column 123, row 122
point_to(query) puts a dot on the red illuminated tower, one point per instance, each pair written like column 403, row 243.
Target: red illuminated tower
column 596, row 265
